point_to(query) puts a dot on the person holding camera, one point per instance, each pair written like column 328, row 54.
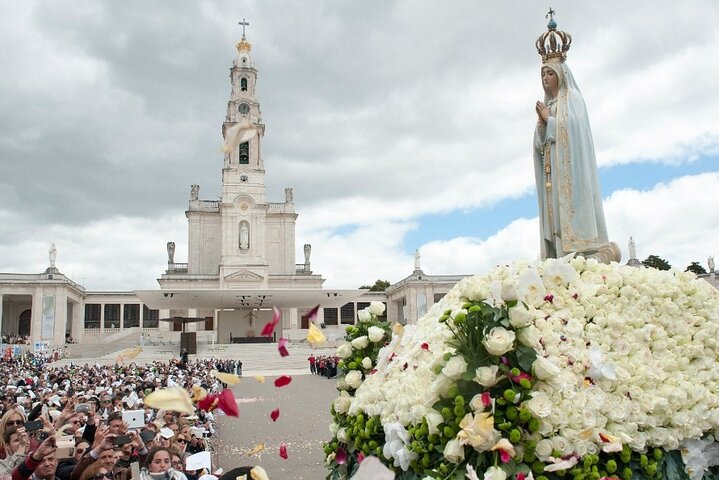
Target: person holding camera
column 41, row 464
column 16, row 442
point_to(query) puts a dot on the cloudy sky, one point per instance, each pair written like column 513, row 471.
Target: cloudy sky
column 400, row 125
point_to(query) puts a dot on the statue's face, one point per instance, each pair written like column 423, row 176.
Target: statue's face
column 550, row 81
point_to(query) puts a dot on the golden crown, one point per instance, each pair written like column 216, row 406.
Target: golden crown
column 553, row 44
column 243, row 45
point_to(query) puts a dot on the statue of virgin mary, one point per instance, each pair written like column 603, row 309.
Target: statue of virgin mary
column 571, row 215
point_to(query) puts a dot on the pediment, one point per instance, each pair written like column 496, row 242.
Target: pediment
column 244, row 276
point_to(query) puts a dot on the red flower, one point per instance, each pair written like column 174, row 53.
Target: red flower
column 486, row 399
column 549, row 298
column 270, row 326
column 360, row 457
column 275, row 414
column 282, row 381
column 282, row 347
column 425, row 346
column 283, row 451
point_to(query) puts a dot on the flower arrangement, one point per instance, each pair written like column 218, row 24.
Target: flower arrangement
column 563, row 369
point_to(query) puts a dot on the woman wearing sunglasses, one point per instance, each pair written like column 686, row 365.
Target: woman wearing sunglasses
column 11, row 418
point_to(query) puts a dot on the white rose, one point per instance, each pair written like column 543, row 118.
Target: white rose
column 375, row 334
column 499, row 341
column 364, row 315
column 539, row 405
column 453, row 451
column 366, row 363
column 455, row 367
column 544, row 449
column 519, row 316
column 342, row 403
column 360, row 342
column 486, row 376
column 495, row 473
column 544, row 369
column 342, row 435
column 376, row 308
column 529, row 336
column 341, row 384
column 434, row 418
column 344, row 350
column 354, row 378
column 334, row 428
column 563, row 445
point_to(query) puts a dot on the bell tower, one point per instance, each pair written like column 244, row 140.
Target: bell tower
column 244, row 169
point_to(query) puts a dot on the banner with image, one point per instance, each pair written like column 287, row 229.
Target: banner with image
column 48, row 316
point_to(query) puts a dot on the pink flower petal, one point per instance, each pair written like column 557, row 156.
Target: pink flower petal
column 360, row 457
column 283, row 451
column 312, row 314
column 340, row 456
column 275, row 414
column 486, row 399
column 227, row 403
column 282, row 347
column 282, row 381
column 425, row 346
column 270, row 326
column 504, row 456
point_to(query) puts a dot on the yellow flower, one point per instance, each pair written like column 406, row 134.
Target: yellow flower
column 228, row 378
column 477, row 431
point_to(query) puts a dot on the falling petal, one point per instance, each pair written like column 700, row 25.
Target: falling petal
column 282, row 347
column 175, row 399
column 237, row 134
column 275, row 414
column 227, row 403
column 270, row 326
column 129, row 353
column 360, row 457
column 315, row 336
column 312, row 314
column 341, row 456
column 425, row 346
column 283, row 380
column 260, row 378
column 283, row 451
column 256, row 449
column 397, row 329
column 198, row 393
column 209, row 402
column 228, row 378
column 258, row 473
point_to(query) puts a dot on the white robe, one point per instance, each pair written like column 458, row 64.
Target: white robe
column 571, row 216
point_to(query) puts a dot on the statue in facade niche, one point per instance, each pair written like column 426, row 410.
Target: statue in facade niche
column 194, row 192
column 571, row 215
column 289, row 196
column 170, row 252
column 244, row 236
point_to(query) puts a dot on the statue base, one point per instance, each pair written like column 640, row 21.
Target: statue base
column 607, row 253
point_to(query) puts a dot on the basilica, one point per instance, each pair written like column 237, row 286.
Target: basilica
column 241, row 263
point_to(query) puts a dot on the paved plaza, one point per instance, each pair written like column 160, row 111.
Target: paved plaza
column 303, row 425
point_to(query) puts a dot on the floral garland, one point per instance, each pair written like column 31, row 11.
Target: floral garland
column 564, row 369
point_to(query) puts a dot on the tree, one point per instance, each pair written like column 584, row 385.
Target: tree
column 379, row 286
column 696, row 268
column 654, row 261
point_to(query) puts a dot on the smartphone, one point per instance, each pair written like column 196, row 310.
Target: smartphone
column 33, row 426
column 65, row 447
column 121, row 440
column 82, row 407
column 147, row 435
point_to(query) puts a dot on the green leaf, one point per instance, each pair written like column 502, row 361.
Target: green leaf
column 526, row 357
column 673, row 466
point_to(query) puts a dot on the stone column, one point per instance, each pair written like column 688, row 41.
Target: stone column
column 102, row 319
column 164, row 326
column 122, row 316
column 60, row 324
column 36, row 316
column 192, row 327
column 142, row 316
column 1, row 322
column 78, row 324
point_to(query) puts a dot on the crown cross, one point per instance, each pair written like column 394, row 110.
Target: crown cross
column 244, row 24
column 553, row 44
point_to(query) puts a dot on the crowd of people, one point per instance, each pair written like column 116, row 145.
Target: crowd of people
column 73, row 422
column 324, row 365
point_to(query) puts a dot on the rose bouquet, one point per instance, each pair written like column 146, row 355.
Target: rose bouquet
column 564, row 369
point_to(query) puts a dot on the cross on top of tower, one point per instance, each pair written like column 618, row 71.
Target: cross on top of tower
column 550, row 15
column 244, row 24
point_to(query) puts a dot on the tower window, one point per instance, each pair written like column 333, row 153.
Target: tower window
column 243, row 85
column 244, row 153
